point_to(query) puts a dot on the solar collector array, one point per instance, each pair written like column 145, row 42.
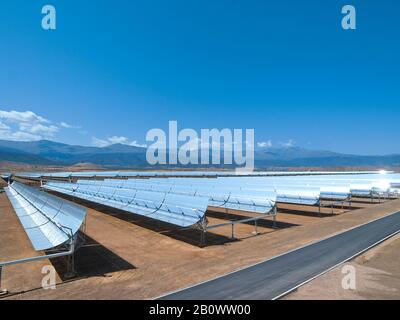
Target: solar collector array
column 289, row 194
column 149, row 174
column 298, row 189
column 358, row 187
column 228, row 196
column 231, row 189
column 331, row 186
column 180, row 210
column 5, row 176
column 261, row 203
column 333, row 189
column 48, row 220
column 222, row 193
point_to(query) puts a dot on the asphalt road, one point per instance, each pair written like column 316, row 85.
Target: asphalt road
column 270, row 279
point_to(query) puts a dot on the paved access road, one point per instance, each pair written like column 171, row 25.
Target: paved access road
column 272, row 278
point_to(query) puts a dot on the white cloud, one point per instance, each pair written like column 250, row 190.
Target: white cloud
column 288, row 144
column 116, row 140
column 18, row 136
column 20, row 117
column 265, row 144
column 99, row 142
column 65, row 125
column 4, row 126
column 38, row 128
column 27, row 126
column 120, row 140
column 68, row 126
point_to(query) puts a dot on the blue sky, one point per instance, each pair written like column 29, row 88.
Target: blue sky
column 115, row 69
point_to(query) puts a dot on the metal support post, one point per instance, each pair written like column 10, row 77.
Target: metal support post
column 71, row 272
column 203, row 237
column 255, row 227
column 319, row 210
column 2, row 291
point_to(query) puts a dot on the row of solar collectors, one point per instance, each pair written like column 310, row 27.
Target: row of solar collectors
column 298, row 190
column 286, row 192
column 5, row 176
column 379, row 182
column 179, row 210
column 227, row 196
column 254, row 194
column 359, row 185
column 116, row 174
column 330, row 187
column 47, row 220
column 181, row 206
column 231, row 188
column 390, row 178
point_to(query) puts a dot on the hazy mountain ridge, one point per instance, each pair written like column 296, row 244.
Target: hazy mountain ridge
column 14, row 155
column 46, row 152
column 287, row 153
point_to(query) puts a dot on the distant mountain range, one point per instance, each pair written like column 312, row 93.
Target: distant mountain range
column 49, row 153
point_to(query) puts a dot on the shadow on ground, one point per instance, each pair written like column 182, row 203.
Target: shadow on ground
column 266, row 222
column 188, row 235
column 92, row 259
